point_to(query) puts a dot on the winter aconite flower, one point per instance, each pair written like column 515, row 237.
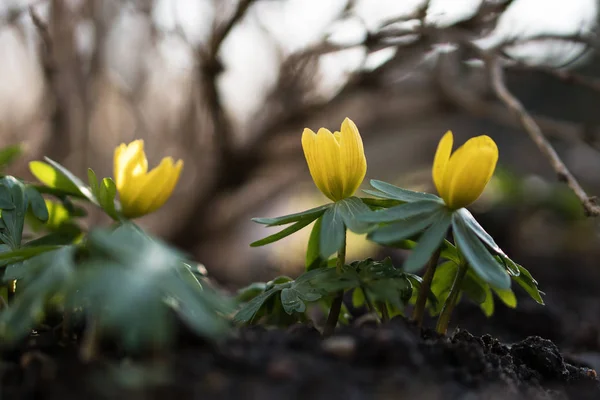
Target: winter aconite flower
column 336, row 160
column 460, row 177
column 141, row 191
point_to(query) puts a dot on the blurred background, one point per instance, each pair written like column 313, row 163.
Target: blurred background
column 228, row 86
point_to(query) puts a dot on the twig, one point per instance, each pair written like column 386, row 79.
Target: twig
column 536, row 134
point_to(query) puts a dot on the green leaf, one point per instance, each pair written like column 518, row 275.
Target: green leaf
column 333, row 232
column 106, row 197
column 526, row 281
column 64, row 236
column 313, row 253
column 429, row 242
column 14, row 219
column 53, row 177
column 379, row 203
column 474, row 227
column 441, row 284
column 350, row 210
column 9, row 154
column 249, row 310
column 41, row 278
column 394, row 192
column 311, row 214
column 36, row 203
column 479, row 258
column 81, row 187
column 474, row 287
column 511, row 266
column 249, row 292
column 93, row 181
column 403, row 211
column 488, row 304
column 358, row 297
column 507, row 296
column 130, row 281
column 283, row 233
column 24, row 253
column 6, row 202
column 402, row 230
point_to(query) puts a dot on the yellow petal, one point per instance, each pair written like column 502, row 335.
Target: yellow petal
column 137, row 202
column 469, row 170
column 321, row 151
column 440, row 162
column 329, row 161
column 129, row 162
column 309, row 145
column 353, row 160
column 172, row 177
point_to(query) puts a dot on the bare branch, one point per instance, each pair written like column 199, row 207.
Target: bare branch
column 536, row 134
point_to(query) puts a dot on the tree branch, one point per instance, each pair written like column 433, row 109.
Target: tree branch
column 536, row 134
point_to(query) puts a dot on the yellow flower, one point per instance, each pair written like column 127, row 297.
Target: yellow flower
column 142, row 192
column 336, row 160
column 461, row 177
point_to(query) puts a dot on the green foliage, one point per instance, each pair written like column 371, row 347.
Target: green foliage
column 379, row 280
column 332, row 219
column 128, row 283
column 119, row 280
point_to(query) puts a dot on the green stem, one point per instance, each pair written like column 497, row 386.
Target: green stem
column 385, row 316
column 336, row 306
column 368, row 301
column 89, row 344
column 419, row 310
column 444, row 318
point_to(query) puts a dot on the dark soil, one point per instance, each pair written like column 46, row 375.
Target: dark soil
column 360, row 362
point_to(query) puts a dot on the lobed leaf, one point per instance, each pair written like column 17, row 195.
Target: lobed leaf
column 333, row 232
column 311, row 214
column 479, row 258
column 396, row 193
column 429, row 242
column 402, row 230
column 402, row 212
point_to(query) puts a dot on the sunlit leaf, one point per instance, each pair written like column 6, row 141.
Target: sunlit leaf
column 9, row 154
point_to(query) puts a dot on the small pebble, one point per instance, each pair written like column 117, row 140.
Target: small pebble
column 341, row 346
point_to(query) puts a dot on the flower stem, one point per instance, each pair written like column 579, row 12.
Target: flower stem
column 336, row 306
column 370, row 305
column 385, row 315
column 419, row 310
column 444, row 318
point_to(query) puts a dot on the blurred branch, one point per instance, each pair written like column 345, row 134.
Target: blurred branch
column 536, row 134
column 212, row 67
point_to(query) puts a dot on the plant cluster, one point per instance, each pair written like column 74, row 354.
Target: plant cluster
column 470, row 264
column 115, row 281
column 121, row 282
